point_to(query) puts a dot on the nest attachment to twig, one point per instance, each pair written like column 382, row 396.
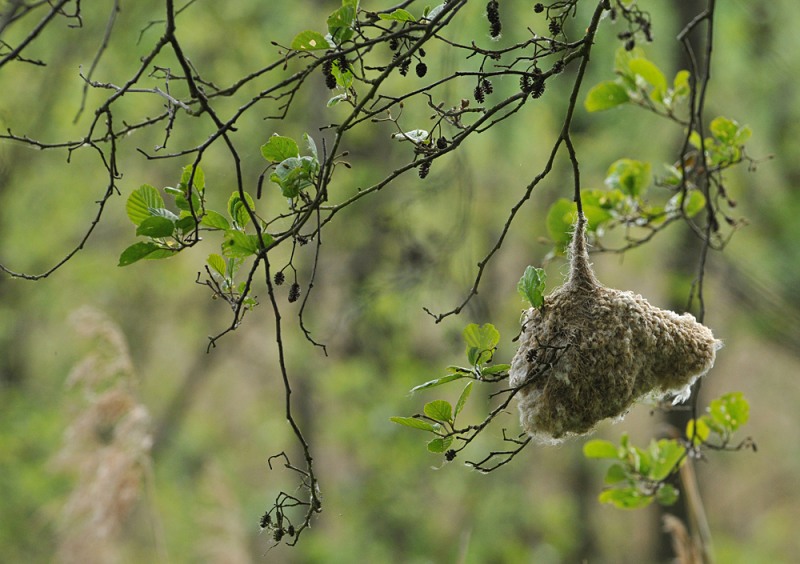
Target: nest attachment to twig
column 590, row 352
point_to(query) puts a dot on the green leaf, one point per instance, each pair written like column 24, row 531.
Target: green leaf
column 239, row 244
column 462, row 399
column 481, row 342
column 724, row 130
column 279, row 148
column 183, row 204
column 141, row 202
column 311, row 145
column 238, row 211
column 680, row 86
column 340, row 23
column 625, row 498
column 694, row 204
column 399, row 15
column 560, row 219
column 605, row 95
column 665, row 456
column 215, row 220
column 598, row 448
column 295, row 174
column 440, row 444
column 731, row 411
column 495, row 369
column 623, row 58
column 697, row 430
column 309, row 41
column 343, row 76
column 439, row 381
column 143, row 250
column 439, row 410
column 413, row 422
column 336, row 99
column 667, row 495
column 531, row 286
column 616, row 473
column 652, row 75
column 199, row 180
column 217, row 263
column 630, row 176
column 155, row 227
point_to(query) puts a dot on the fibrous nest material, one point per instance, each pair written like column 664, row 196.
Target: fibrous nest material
column 590, row 352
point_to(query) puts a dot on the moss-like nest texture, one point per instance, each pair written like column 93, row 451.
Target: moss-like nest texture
column 590, row 352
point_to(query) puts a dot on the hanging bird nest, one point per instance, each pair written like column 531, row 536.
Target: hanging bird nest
column 590, row 352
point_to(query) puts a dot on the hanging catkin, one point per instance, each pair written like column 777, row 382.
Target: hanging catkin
column 590, row 352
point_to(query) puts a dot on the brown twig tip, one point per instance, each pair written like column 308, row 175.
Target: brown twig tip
column 591, row 352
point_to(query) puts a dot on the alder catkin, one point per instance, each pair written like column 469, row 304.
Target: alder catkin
column 591, row 352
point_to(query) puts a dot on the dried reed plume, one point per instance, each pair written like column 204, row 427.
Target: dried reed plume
column 106, row 446
column 590, row 352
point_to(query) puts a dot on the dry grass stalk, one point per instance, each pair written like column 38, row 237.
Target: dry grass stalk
column 106, row 446
column 591, row 352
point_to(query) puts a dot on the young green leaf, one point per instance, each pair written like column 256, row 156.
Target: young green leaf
column 462, row 399
column 238, row 211
column 531, row 286
column 215, row 220
column 481, row 342
column 665, row 456
column 630, row 176
column 560, row 219
column 309, row 41
column 198, row 182
column 652, row 75
column 399, row 15
column 156, row 227
column 141, row 202
column 340, row 23
column 439, row 381
column 143, row 250
column 598, row 448
column 616, row 473
column 413, row 422
column 439, row 410
column 667, row 495
column 279, row 148
column 606, row 95
column 440, row 444
column 217, row 263
column 239, row 244
column 625, row 498
column 495, row 369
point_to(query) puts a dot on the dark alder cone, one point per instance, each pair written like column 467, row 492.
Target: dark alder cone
column 554, row 27
column 424, row 169
column 479, row 97
column 450, row 455
column 294, row 292
column 327, row 72
column 394, row 44
column 538, row 8
column 421, row 69
column 441, row 143
column 280, row 278
column 404, row 67
column 487, row 86
column 493, row 15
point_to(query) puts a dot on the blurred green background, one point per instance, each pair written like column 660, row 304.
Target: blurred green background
column 217, row 417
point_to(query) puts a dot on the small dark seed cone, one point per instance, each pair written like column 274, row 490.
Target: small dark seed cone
column 591, row 352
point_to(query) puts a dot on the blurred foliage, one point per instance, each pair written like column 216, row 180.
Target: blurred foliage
column 415, row 245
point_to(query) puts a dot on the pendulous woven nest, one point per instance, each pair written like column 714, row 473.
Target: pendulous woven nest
column 590, row 352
